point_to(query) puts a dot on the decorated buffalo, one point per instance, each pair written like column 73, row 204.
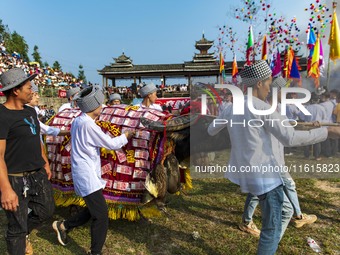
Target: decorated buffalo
column 190, row 136
column 146, row 169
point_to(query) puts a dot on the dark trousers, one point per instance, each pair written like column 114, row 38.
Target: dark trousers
column 329, row 147
column 39, row 199
column 326, row 148
column 334, row 146
column 96, row 208
column 316, row 150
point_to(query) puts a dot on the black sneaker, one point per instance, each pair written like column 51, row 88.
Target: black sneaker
column 61, row 234
column 90, row 253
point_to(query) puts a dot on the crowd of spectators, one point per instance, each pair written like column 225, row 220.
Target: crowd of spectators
column 47, row 76
column 57, row 79
column 175, row 88
column 128, row 93
column 45, row 112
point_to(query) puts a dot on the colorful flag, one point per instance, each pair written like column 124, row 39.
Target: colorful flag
column 311, row 39
column 222, row 70
column 264, row 48
column 250, row 45
column 321, row 60
column 221, row 62
column 334, row 39
column 276, row 69
column 314, row 71
column 294, row 71
column 234, row 71
column 288, row 60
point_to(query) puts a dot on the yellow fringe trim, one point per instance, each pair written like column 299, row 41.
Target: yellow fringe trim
column 188, row 180
column 150, row 212
column 132, row 213
column 64, row 199
column 115, row 211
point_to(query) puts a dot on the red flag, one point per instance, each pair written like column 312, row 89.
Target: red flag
column 276, row 66
column 234, row 71
column 264, row 48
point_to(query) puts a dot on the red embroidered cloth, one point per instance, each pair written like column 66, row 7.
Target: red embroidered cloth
column 125, row 170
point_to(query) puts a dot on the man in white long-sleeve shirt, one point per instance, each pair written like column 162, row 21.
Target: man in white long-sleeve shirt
column 256, row 147
column 317, row 113
column 70, row 94
column 86, row 139
column 299, row 219
column 44, row 129
column 330, row 146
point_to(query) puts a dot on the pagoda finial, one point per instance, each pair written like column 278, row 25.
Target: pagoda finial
column 203, row 34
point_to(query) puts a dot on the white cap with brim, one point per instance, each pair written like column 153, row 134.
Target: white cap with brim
column 147, row 89
column 13, row 78
column 254, row 73
column 89, row 99
column 72, row 91
column 115, row 96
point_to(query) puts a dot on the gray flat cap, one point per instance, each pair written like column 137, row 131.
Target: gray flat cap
column 115, row 96
column 72, row 91
column 89, row 98
column 13, row 78
column 147, row 89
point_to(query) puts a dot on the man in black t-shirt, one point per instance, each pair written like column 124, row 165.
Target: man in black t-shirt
column 24, row 168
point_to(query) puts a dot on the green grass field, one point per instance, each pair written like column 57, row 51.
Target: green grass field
column 211, row 210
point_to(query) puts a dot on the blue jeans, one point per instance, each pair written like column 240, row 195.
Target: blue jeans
column 290, row 190
column 249, row 207
column 276, row 213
